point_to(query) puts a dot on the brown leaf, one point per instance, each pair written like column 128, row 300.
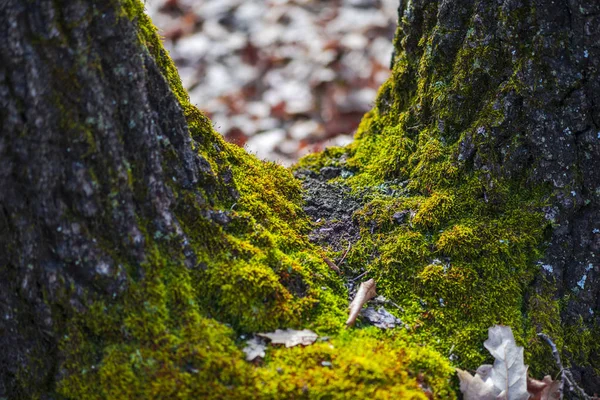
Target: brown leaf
column 332, row 265
column 366, row 291
column 535, row 388
column 546, row 389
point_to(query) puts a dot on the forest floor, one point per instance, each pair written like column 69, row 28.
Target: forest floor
column 280, row 77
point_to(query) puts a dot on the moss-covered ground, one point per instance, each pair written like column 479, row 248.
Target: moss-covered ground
column 465, row 253
column 177, row 332
column 460, row 261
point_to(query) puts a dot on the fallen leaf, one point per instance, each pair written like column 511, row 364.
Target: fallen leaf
column 255, row 348
column 509, row 374
column 332, row 265
column 506, row 379
column 291, row 337
column 534, row 386
column 474, row 387
column 366, row 291
column 546, row 389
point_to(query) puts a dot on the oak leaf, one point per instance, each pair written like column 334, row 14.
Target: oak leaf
column 546, row 389
column 506, row 379
column 509, row 373
column 475, row 387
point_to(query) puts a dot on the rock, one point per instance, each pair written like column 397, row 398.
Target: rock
column 381, row 317
column 400, row 216
column 330, row 172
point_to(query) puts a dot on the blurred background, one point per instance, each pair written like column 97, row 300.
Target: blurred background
column 280, row 77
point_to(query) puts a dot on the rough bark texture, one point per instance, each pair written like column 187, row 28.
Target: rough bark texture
column 490, row 103
column 136, row 246
column 93, row 145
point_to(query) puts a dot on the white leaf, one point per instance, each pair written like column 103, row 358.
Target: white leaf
column 509, row 373
column 291, row 337
column 255, row 348
column 476, row 388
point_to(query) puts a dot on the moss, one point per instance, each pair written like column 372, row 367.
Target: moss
column 455, row 241
column 459, row 262
column 546, row 319
column 465, row 255
column 330, row 157
column 462, row 263
column 360, row 364
column 175, row 330
column 434, row 210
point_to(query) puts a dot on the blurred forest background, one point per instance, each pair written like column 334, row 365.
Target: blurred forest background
column 280, row 77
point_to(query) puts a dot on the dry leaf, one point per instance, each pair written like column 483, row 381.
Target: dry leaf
column 546, row 389
column 255, row 348
column 291, row 337
column 535, row 387
column 366, row 291
column 509, row 374
column 332, row 265
column 474, row 387
column 506, row 379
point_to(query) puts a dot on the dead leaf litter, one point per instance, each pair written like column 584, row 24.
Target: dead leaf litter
column 282, row 77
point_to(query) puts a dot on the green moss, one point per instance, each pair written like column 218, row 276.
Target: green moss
column 434, row 210
column 359, row 364
column 464, row 256
column 149, row 342
column 175, row 330
column 460, row 261
column 330, row 157
column 458, row 240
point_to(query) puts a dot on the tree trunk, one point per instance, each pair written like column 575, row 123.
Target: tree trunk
column 485, row 146
column 136, row 246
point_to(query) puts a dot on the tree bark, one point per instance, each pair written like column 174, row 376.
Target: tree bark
column 94, row 154
column 489, row 103
column 131, row 235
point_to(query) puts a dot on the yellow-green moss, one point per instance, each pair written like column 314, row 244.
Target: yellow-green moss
column 361, row 364
column 176, row 330
column 465, row 254
column 434, row 210
column 459, row 262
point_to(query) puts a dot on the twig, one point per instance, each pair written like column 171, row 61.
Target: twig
column 573, row 384
column 566, row 375
column 558, row 362
column 345, row 254
column 358, row 277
